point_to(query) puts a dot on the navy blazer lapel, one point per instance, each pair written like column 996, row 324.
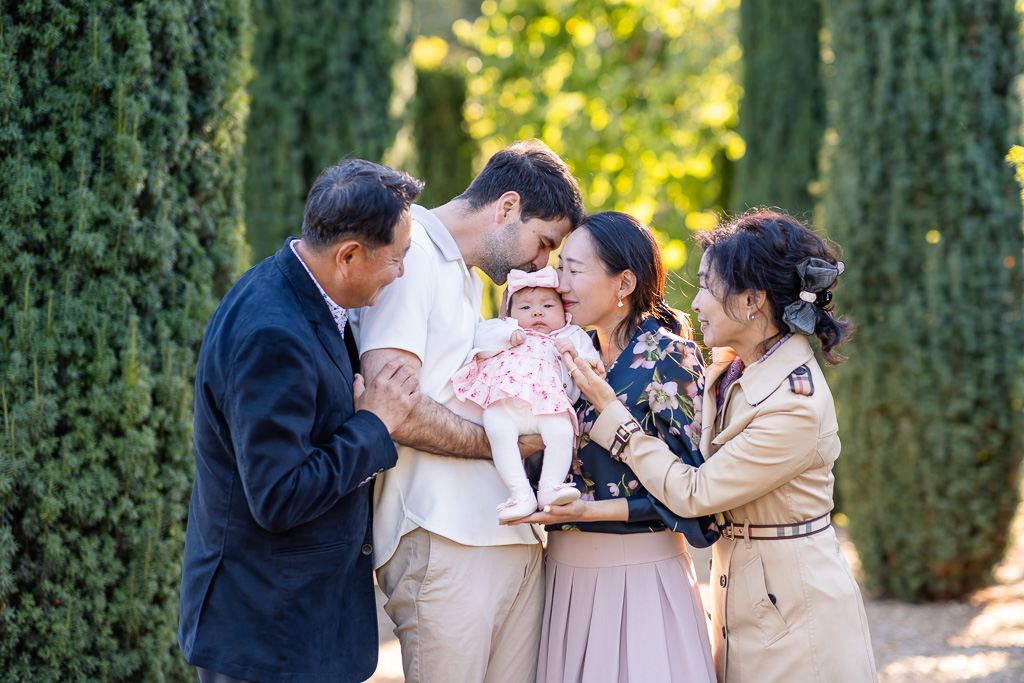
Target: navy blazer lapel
column 315, row 309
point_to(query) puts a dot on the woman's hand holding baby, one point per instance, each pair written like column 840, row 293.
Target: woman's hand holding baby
column 555, row 514
column 616, row 509
column 566, row 348
column 590, row 381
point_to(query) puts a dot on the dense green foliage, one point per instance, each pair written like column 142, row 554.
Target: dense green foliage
column 443, row 152
column 638, row 97
column 782, row 113
column 323, row 90
column 120, row 227
column 918, row 193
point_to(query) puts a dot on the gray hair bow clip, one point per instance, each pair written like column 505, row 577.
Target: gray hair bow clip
column 816, row 276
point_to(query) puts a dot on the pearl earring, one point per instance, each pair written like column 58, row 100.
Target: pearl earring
column 620, row 302
column 750, row 316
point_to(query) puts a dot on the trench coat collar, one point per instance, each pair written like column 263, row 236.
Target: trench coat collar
column 758, row 382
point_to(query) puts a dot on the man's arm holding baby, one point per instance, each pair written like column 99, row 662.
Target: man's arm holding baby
column 433, row 428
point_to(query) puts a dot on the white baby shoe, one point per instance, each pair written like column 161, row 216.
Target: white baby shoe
column 560, row 494
column 517, row 508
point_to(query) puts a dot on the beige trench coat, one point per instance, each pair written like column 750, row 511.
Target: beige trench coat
column 769, row 457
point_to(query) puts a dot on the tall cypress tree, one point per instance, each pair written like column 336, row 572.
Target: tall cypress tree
column 322, row 91
column 782, row 113
column 120, row 227
column 918, row 193
column 444, row 150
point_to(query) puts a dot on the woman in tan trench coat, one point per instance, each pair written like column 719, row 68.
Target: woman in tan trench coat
column 785, row 606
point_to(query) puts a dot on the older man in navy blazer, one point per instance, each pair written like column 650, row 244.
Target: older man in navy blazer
column 276, row 580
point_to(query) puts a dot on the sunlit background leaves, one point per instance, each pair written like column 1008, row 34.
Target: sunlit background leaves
column 640, row 98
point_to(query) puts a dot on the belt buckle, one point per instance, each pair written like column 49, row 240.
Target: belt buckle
column 728, row 532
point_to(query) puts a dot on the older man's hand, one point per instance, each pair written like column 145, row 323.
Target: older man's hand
column 390, row 395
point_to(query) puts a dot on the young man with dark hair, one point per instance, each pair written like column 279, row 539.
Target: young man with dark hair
column 466, row 594
column 277, row 579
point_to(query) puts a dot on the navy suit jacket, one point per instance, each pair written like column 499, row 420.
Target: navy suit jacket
column 277, row 580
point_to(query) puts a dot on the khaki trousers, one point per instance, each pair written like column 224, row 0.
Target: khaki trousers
column 465, row 613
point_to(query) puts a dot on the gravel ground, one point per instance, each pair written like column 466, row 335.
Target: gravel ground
column 981, row 639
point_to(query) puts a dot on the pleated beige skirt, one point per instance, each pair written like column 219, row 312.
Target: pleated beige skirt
column 621, row 608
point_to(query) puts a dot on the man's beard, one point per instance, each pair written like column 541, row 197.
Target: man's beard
column 501, row 251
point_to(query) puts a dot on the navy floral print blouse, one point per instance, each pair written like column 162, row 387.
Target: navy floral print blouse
column 660, row 377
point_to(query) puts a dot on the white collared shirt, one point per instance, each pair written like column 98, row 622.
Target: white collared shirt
column 339, row 314
column 432, row 311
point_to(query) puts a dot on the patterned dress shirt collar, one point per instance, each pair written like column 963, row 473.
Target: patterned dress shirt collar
column 339, row 314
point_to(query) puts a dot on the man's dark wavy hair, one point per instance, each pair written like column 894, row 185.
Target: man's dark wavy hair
column 546, row 187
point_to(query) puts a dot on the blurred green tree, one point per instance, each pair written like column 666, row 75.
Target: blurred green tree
column 782, row 113
column 435, row 18
column 326, row 87
column 442, row 152
column 923, row 111
column 120, row 227
column 639, row 97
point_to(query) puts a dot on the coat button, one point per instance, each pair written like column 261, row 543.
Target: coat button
column 366, row 549
column 721, row 581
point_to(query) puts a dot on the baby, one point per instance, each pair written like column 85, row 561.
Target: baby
column 517, row 375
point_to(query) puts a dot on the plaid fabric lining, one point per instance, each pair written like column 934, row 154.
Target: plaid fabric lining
column 800, row 382
column 622, row 434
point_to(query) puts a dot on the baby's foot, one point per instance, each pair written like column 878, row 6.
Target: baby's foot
column 560, row 494
column 517, row 508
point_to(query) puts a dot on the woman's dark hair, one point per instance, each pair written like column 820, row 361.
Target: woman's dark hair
column 760, row 250
column 624, row 243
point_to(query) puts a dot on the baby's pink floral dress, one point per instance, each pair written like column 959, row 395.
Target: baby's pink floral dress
column 531, row 371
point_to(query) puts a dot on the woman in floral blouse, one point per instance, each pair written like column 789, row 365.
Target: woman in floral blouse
column 622, row 602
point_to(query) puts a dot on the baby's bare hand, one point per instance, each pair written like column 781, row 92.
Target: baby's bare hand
column 518, row 337
column 566, row 348
column 592, row 384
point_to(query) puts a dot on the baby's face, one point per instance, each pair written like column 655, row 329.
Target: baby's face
column 539, row 309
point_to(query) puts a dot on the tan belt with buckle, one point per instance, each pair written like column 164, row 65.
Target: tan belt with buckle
column 776, row 532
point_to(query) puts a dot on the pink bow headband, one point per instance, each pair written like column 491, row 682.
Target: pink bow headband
column 520, row 279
